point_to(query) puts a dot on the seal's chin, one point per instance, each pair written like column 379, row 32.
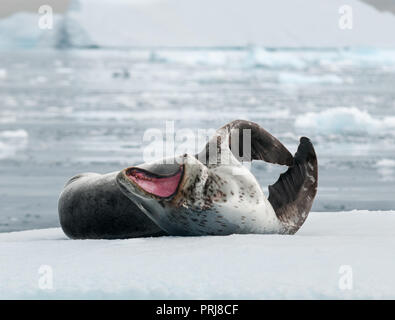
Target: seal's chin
column 158, row 185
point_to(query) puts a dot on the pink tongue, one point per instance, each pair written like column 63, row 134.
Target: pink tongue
column 161, row 187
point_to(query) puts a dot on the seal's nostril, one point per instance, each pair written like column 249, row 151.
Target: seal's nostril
column 130, row 172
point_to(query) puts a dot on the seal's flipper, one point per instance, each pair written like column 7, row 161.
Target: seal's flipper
column 292, row 195
column 264, row 146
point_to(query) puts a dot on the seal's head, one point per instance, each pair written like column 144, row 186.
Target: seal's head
column 163, row 190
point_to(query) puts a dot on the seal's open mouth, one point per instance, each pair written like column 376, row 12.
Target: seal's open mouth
column 163, row 186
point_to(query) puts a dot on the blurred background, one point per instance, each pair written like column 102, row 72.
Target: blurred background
column 78, row 94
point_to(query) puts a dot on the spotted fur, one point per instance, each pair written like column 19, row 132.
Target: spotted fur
column 220, row 198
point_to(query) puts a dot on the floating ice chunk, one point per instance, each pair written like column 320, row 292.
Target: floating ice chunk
column 385, row 168
column 198, row 57
column 305, row 79
column 3, row 74
column 12, row 141
column 14, row 134
column 344, row 120
column 274, row 59
column 386, row 163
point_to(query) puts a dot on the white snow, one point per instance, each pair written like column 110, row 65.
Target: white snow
column 305, row 265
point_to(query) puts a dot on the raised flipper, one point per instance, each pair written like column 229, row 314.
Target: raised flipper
column 292, row 195
column 264, row 146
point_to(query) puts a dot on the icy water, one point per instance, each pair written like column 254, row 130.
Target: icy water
column 65, row 112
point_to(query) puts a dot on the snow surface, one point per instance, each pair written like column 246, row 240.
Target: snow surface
column 304, row 266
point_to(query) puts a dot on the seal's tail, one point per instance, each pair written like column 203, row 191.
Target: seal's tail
column 292, row 195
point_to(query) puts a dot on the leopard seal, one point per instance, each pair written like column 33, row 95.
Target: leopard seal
column 209, row 193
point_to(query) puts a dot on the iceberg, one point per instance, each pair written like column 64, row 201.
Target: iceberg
column 21, row 31
column 204, row 23
column 197, row 23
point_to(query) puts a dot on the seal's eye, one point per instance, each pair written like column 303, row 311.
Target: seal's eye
column 163, row 186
